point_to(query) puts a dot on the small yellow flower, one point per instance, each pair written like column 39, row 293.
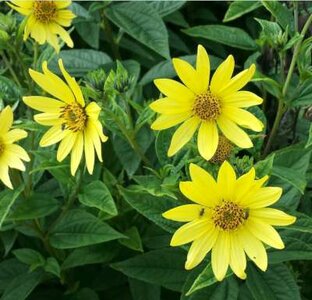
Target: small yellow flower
column 206, row 104
column 230, row 218
column 73, row 123
column 45, row 20
column 11, row 155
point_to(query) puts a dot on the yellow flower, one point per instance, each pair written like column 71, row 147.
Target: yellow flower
column 11, row 155
column 230, row 218
column 206, row 104
column 73, row 123
column 45, row 20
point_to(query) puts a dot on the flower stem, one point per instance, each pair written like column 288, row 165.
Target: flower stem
column 9, row 66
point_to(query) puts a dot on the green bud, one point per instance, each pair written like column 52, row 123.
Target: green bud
column 7, row 23
column 96, row 79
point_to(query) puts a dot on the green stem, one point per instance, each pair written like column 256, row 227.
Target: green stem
column 9, row 66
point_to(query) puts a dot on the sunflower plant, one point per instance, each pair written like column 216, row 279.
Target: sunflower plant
column 155, row 150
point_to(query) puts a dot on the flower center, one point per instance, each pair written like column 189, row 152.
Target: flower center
column 74, row 116
column 207, row 106
column 44, row 11
column 223, row 151
column 228, row 215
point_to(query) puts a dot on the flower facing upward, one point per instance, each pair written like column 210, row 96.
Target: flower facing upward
column 45, row 20
column 206, row 104
column 11, row 155
column 230, row 218
column 73, row 123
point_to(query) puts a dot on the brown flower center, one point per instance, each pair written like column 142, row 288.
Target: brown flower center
column 207, row 106
column 44, row 11
column 75, row 117
column 223, row 151
column 228, row 215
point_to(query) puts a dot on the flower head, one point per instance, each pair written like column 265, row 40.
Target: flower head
column 45, row 20
column 11, row 155
column 230, row 217
column 74, row 123
column 208, row 105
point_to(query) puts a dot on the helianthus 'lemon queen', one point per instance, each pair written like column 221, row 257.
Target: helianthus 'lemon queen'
column 73, row 123
column 11, row 155
column 45, row 20
column 230, row 217
column 206, row 105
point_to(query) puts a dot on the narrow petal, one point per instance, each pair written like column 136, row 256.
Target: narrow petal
column 62, row 3
column 52, row 136
column 203, row 68
column 169, row 106
column 220, row 256
column 29, row 26
column 263, row 197
column 190, row 232
column 93, row 110
column 4, row 176
column 242, row 118
column 20, row 8
column 222, row 75
column 52, row 39
column 208, row 139
column 244, row 185
column 64, row 35
column 182, row 135
column 13, row 161
column 6, row 120
column 237, row 257
column 44, row 104
column 200, row 247
column 48, row 119
column 89, row 149
column 65, row 17
column 184, row 213
column 234, row 133
column 76, row 154
column 196, row 193
column 272, row 216
column 24, row 4
column 93, row 133
column 66, row 145
column 39, row 33
column 18, row 151
column 14, row 135
column 242, row 99
column 226, row 180
column 167, row 121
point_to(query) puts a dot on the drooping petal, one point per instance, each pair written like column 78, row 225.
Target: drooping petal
column 208, row 139
column 76, row 153
column 4, row 176
column 94, row 135
column 39, row 32
column 89, row 149
column 202, row 68
column 52, row 136
column 169, row 106
column 182, row 135
column 272, row 216
column 237, row 257
column 66, row 145
column 64, row 35
column 183, row 213
column 44, row 104
column 242, row 99
column 6, row 120
column 93, row 110
column 226, row 180
column 167, row 121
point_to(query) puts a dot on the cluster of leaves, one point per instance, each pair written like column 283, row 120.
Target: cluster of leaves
column 102, row 236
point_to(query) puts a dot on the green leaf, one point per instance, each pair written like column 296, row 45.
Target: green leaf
column 226, row 35
column 160, row 267
column 52, row 266
column 277, row 283
column 102, row 253
column 302, row 224
column 29, row 257
column 9, row 92
column 78, row 62
column 133, row 241
column 96, row 194
column 271, row 30
column 143, row 23
column 164, row 8
column 309, row 141
column 79, row 228
column 141, row 290
column 264, row 167
column 90, row 32
column 239, row 8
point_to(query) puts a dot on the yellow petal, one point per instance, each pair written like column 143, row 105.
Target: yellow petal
column 76, row 153
column 242, row 99
column 93, row 133
column 18, row 151
column 167, row 121
column 200, row 247
column 89, row 149
column 208, row 139
column 244, row 185
column 237, row 257
column 272, row 216
column 29, row 26
column 202, row 68
column 13, row 161
column 265, row 232
column 222, row 75
column 64, row 17
column 192, row 191
column 72, row 84
column 20, row 8
column 174, row 89
column 23, row 3
column 14, row 135
column 220, row 255
column 38, row 32
column 242, row 118
column 184, row 213
column 4, row 176
column 238, row 81
column 169, row 106
column 48, row 119
column 44, row 104
column 262, row 197
column 52, row 136
column 64, row 35
column 66, row 145
column 233, row 133
column 62, row 3
column 93, row 110
column 99, row 129
column 6, row 120
column 188, row 75
column 190, row 232
column 182, row 135
column 226, row 180
column 52, row 38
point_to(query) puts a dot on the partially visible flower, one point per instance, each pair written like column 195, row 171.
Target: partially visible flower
column 73, row 123
column 230, row 217
column 223, row 151
column 206, row 105
column 45, row 20
column 11, row 155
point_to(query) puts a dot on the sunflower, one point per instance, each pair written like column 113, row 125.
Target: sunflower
column 210, row 105
column 230, row 217
column 73, row 123
column 45, row 20
column 11, row 155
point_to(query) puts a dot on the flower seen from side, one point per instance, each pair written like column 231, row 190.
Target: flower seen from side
column 209, row 105
column 229, row 217
column 45, row 20
column 11, row 155
column 73, row 123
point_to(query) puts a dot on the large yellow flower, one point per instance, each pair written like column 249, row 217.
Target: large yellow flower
column 206, row 104
column 45, row 20
column 230, row 218
column 11, row 155
column 73, row 123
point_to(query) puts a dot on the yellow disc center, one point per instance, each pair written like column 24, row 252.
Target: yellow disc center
column 75, row 117
column 228, row 215
column 44, row 11
column 207, row 106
